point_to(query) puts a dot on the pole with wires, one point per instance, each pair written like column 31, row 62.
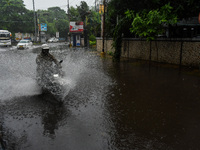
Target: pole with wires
column 34, row 21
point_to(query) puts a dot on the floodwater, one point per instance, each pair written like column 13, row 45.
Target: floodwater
column 108, row 106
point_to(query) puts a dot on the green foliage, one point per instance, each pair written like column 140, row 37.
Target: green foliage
column 94, row 23
column 83, row 9
column 150, row 24
column 92, row 38
column 110, row 53
column 62, row 26
column 74, row 14
column 117, row 8
column 147, row 20
column 92, row 42
column 56, row 20
column 15, row 17
column 91, row 18
column 117, row 39
column 117, row 24
column 51, row 29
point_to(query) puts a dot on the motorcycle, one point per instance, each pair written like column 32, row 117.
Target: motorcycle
column 52, row 83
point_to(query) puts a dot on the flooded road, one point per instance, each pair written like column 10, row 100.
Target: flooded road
column 107, row 106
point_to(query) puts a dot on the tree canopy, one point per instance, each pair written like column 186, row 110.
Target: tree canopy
column 56, row 20
column 117, row 8
column 152, row 23
column 15, row 17
column 91, row 18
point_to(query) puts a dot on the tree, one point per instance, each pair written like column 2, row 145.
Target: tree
column 91, row 18
column 15, row 17
column 118, row 23
column 62, row 26
column 56, row 20
column 83, row 10
column 94, row 23
column 182, row 8
column 57, row 13
column 150, row 24
column 74, row 14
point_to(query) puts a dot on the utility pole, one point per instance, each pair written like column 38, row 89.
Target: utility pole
column 34, row 21
column 104, row 5
column 38, row 31
column 95, row 5
column 69, row 25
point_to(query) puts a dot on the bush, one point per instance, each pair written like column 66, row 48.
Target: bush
column 92, row 42
column 92, row 38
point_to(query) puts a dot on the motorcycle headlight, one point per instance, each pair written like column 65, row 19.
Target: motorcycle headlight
column 56, row 75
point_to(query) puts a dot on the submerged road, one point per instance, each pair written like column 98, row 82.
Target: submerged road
column 107, row 106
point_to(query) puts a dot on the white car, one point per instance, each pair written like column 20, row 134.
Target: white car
column 24, row 44
column 52, row 40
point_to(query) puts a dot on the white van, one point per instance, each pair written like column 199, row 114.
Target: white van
column 5, row 38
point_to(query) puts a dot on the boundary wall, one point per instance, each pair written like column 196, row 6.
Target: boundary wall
column 174, row 51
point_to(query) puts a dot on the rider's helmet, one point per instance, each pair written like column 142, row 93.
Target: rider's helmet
column 45, row 49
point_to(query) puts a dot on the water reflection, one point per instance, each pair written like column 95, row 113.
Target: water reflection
column 53, row 117
column 154, row 109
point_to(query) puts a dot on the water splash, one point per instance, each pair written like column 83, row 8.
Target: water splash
column 17, row 76
column 18, row 71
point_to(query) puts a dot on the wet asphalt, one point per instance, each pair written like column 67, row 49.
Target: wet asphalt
column 131, row 105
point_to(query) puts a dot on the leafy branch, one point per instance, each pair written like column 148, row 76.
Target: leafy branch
column 150, row 24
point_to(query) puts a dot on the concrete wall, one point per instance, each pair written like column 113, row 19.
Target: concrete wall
column 167, row 51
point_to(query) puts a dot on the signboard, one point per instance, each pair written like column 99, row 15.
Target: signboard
column 19, row 36
column 76, row 27
column 101, row 8
column 43, row 27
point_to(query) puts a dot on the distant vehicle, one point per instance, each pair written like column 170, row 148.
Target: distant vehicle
column 5, row 38
column 52, row 40
column 28, row 38
column 24, row 44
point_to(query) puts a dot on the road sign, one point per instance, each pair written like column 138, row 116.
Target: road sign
column 43, row 27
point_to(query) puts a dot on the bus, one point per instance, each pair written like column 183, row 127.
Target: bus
column 5, row 38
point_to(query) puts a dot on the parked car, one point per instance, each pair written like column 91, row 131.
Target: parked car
column 24, row 44
column 52, row 40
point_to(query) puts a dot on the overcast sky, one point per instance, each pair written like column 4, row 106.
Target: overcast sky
column 44, row 4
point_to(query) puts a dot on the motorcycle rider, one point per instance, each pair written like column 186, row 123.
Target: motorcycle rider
column 45, row 62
